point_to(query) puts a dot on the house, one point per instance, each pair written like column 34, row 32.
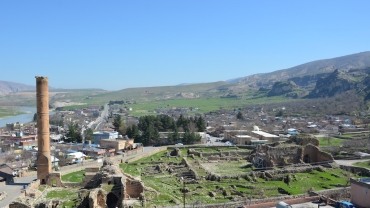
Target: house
column 360, row 192
column 95, row 152
column 104, row 135
column 6, row 174
column 75, row 157
column 16, row 167
column 117, row 144
column 229, row 134
column 242, row 140
column 261, row 135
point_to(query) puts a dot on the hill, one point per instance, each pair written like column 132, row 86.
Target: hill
column 167, row 92
column 13, row 87
column 308, row 73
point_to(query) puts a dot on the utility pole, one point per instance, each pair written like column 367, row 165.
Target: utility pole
column 183, row 189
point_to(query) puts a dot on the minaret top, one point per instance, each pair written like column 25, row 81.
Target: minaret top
column 41, row 77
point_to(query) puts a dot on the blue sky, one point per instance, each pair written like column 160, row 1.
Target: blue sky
column 121, row 44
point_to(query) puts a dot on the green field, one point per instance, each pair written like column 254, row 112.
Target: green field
column 204, row 105
column 331, row 141
column 74, row 177
column 365, row 164
column 9, row 111
column 69, row 196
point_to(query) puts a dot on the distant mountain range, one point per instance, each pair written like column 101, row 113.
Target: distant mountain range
column 12, row 87
column 299, row 80
column 308, row 73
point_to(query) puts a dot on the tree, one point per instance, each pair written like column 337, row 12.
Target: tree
column 239, row 115
column 34, row 117
column 74, row 133
column 191, row 137
column 279, row 113
column 118, row 125
column 133, row 132
column 89, row 135
column 201, row 124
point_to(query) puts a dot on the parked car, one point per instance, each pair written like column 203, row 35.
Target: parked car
column 179, row 144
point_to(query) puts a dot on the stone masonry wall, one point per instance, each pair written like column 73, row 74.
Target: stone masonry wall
column 283, row 155
column 134, row 188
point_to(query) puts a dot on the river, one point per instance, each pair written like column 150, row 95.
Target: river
column 22, row 118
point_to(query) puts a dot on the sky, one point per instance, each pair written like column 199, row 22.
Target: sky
column 120, row 44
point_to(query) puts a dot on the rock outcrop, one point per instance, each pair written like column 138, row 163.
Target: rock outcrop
column 281, row 88
column 335, row 84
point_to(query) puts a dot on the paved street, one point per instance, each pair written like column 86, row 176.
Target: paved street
column 214, row 143
column 349, row 162
column 15, row 189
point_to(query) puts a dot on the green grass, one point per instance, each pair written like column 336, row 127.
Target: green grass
column 69, row 197
column 42, row 188
column 324, row 141
column 9, row 111
column 350, row 135
column 227, row 167
column 74, row 177
column 204, row 105
column 365, row 164
column 61, row 193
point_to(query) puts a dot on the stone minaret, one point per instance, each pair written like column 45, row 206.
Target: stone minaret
column 43, row 132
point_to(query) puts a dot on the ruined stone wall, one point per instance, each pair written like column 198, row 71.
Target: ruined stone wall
column 134, row 188
column 92, row 169
column 73, row 184
column 357, row 170
column 97, row 198
column 283, row 155
column 316, row 155
column 219, row 154
column 304, row 139
column 34, row 184
column 134, row 151
column 18, row 205
column 146, row 154
column 54, row 176
column 92, row 180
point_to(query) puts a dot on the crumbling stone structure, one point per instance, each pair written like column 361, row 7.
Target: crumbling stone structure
column 298, row 149
column 54, row 177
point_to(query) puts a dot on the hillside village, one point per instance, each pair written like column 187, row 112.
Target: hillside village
column 108, row 156
column 249, row 127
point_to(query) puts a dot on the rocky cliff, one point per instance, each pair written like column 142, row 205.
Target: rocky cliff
column 281, row 88
column 337, row 83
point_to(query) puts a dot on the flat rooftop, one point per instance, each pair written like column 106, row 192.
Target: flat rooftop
column 243, row 136
column 265, row 134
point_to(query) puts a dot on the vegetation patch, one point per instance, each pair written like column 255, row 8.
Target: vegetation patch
column 365, row 164
column 330, row 141
column 74, row 177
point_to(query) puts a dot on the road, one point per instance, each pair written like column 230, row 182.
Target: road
column 15, row 189
column 349, row 162
column 214, row 143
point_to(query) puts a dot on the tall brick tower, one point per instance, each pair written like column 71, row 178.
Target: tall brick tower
column 43, row 132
